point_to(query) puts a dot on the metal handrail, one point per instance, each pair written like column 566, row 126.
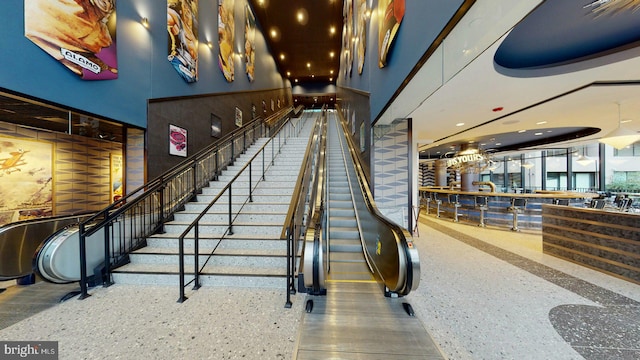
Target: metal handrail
column 294, row 226
column 129, row 221
column 283, row 127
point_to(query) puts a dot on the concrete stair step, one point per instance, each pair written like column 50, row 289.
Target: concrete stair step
column 159, row 274
column 248, row 258
column 252, row 207
column 266, row 229
column 223, row 217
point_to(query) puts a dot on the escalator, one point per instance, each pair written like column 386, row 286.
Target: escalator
column 21, row 241
column 346, row 260
column 348, row 239
column 352, row 256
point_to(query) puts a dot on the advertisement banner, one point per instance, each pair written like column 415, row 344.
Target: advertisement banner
column 80, row 34
column 182, row 25
column 226, row 25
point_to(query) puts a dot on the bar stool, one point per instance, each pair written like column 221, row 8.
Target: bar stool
column 453, row 199
column 426, row 199
column 564, row 202
column 482, row 203
column 597, row 203
column 438, row 202
column 517, row 205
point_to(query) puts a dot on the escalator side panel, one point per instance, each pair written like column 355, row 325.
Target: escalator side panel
column 20, row 241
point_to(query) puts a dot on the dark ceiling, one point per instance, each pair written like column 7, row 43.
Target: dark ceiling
column 306, row 42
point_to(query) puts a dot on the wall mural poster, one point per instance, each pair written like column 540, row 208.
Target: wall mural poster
column 347, row 31
column 182, row 25
column 249, row 42
column 361, row 34
column 226, row 25
column 393, row 11
column 117, row 186
column 80, row 34
column 26, row 169
column 177, row 141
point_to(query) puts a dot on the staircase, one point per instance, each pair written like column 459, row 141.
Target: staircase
column 346, row 259
column 253, row 255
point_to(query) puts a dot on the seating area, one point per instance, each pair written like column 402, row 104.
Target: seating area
column 503, row 210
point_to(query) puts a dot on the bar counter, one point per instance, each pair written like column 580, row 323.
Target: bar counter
column 607, row 241
column 499, row 211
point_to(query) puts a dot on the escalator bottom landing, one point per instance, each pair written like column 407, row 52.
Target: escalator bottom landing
column 356, row 321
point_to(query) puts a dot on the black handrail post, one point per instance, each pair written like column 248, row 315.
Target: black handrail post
column 215, row 175
column 196, row 257
column 230, row 211
column 162, row 206
column 182, row 297
column 273, row 155
column 83, row 263
column 262, row 164
column 106, row 277
column 289, row 275
column 233, row 141
column 195, row 180
column 244, row 141
column 250, row 184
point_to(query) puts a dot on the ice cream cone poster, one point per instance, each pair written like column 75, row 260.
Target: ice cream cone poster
column 392, row 13
column 249, row 42
column 80, row 34
column 182, row 25
column 225, row 38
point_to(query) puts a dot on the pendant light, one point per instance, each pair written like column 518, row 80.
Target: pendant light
column 620, row 137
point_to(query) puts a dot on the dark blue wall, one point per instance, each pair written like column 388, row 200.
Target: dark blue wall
column 144, row 71
column 422, row 22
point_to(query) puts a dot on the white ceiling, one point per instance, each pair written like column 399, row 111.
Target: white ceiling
column 575, row 95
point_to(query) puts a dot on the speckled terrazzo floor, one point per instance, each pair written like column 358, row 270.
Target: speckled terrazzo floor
column 484, row 294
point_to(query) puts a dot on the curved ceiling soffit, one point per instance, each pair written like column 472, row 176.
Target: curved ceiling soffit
column 560, row 33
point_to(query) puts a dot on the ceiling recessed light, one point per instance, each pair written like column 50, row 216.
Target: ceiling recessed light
column 625, row 121
column 288, row 73
column 498, row 144
column 521, row 131
column 281, row 56
column 541, row 122
column 302, row 16
column 460, row 124
column 332, row 30
column 538, row 134
column 308, row 64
